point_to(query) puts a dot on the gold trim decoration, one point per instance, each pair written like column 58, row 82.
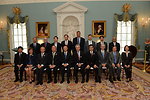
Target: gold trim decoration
column 126, row 16
column 17, row 18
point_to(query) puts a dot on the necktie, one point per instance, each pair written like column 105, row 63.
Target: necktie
column 34, row 45
column 45, row 44
column 53, row 54
column 65, row 55
column 78, row 40
column 19, row 58
column 53, row 58
column 103, row 54
column 42, row 55
column 115, row 58
column 79, row 55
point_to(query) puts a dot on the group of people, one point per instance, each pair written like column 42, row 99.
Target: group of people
column 79, row 54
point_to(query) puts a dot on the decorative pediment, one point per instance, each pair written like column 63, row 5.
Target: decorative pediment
column 70, row 7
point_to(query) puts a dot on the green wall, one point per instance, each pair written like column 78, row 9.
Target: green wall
column 97, row 10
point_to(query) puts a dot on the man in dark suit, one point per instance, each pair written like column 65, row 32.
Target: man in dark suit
column 67, row 42
column 54, row 63
column 20, row 63
column 47, row 46
column 79, row 63
column 36, row 46
column 115, row 61
column 42, row 63
column 91, row 61
column 89, row 42
column 100, row 43
column 114, row 43
column 79, row 40
column 66, row 61
column 57, row 44
column 103, row 58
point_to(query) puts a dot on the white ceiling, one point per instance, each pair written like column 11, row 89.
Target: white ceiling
column 4, row 2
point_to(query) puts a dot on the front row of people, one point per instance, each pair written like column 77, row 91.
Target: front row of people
column 51, row 62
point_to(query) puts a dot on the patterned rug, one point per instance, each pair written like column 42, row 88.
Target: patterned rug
column 138, row 89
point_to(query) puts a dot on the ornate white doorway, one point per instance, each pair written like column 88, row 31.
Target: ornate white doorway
column 70, row 18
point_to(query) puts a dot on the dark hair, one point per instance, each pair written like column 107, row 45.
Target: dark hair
column 114, row 46
column 42, row 46
column 66, row 35
column 30, row 49
column 53, row 46
column 78, row 31
column 125, row 47
column 89, row 35
column 55, row 37
column 20, row 47
column 101, row 36
column 65, row 46
column 90, row 45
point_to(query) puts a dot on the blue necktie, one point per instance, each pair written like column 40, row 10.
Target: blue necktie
column 103, row 54
column 115, row 58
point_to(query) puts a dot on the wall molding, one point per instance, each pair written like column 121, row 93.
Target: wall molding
column 5, row 60
column 5, row 2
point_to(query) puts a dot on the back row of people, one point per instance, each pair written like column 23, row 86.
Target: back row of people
column 71, row 45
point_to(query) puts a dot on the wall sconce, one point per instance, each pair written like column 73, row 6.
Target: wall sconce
column 1, row 25
column 145, row 21
column 40, row 41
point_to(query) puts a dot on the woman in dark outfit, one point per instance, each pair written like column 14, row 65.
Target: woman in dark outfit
column 127, row 63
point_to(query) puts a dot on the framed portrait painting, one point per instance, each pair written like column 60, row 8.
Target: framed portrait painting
column 42, row 29
column 98, row 28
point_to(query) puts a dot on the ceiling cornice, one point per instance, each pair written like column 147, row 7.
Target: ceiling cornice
column 5, row 2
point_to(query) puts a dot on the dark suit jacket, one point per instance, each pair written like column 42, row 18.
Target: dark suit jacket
column 91, row 59
column 47, row 47
column 70, row 46
column 76, row 58
column 20, row 60
column 58, row 47
column 36, row 49
column 33, row 59
column 43, row 60
column 111, row 45
column 105, row 59
column 82, row 42
column 86, row 45
column 68, row 58
column 99, row 44
column 56, row 59
column 126, row 60
column 112, row 58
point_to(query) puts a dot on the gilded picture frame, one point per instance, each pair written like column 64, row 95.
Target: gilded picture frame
column 98, row 28
column 42, row 29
